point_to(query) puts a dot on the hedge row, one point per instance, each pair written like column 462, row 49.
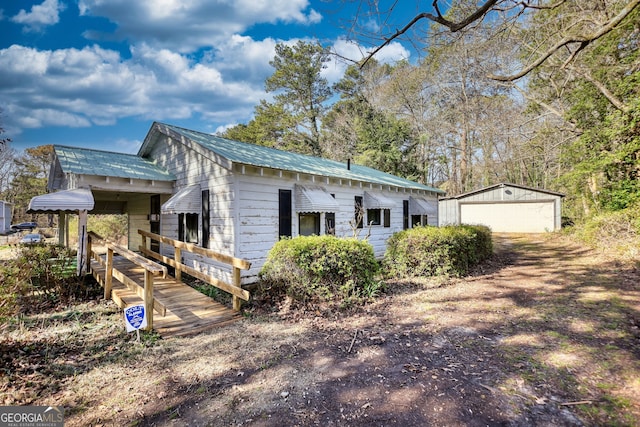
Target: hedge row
column 321, row 269
column 437, row 251
column 344, row 270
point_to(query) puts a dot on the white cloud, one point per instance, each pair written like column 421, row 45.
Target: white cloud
column 130, row 146
column 349, row 53
column 42, row 15
column 187, row 59
column 80, row 87
column 186, row 26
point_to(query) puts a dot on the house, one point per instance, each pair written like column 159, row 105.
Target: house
column 237, row 198
column 5, row 217
column 505, row 207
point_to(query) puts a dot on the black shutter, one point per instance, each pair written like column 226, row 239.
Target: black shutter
column 154, row 221
column 205, row 218
column 405, row 214
column 284, row 215
column 181, row 227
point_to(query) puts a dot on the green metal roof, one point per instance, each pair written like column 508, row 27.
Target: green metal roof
column 84, row 161
column 260, row 156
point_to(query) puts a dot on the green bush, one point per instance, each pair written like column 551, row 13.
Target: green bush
column 616, row 232
column 437, row 251
column 326, row 269
column 40, row 276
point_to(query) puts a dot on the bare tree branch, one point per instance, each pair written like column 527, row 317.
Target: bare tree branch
column 549, row 108
column 528, row 5
column 582, row 40
column 453, row 26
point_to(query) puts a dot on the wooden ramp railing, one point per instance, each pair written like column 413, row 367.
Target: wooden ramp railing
column 151, row 270
column 238, row 264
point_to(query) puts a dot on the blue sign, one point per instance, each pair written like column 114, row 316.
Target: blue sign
column 135, row 317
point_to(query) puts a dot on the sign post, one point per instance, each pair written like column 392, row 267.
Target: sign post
column 135, row 318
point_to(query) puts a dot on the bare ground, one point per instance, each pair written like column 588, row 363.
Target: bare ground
column 545, row 334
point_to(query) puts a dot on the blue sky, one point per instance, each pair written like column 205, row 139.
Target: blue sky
column 97, row 73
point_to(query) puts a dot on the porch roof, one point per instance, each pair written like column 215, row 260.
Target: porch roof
column 84, row 161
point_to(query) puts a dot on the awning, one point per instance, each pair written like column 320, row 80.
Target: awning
column 186, row 200
column 377, row 201
column 314, row 199
column 75, row 200
column 420, row 206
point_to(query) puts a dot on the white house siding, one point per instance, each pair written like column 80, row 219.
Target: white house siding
column 193, row 168
column 258, row 211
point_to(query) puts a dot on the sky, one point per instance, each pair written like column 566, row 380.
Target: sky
column 98, row 73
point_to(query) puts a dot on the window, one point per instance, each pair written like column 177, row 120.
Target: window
column 188, row 227
column 418, row 220
column 373, row 217
column 358, row 212
column 284, row 215
column 405, row 214
column 330, row 223
column 387, row 217
column 309, row 224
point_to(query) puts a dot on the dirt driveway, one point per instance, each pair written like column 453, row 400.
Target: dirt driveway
column 546, row 334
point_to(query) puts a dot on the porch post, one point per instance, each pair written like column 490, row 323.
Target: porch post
column 82, row 242
column 62, row 229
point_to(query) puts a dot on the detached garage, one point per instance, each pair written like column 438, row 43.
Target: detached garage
column 505, row 208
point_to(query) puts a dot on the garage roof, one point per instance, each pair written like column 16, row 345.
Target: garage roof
column 503, row 184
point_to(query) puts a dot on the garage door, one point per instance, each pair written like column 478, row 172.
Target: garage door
column 535, row 217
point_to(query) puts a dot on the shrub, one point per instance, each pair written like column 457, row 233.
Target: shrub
column 437, row 251
column 40, row 276
column 616, row 232
column 312, row 269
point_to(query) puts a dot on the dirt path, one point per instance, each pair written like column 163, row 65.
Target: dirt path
column 545, row 334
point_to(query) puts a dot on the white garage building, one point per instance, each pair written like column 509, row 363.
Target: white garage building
column 505, row 208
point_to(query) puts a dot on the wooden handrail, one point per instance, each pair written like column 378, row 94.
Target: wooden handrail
column 235, row 288
column 209, row 253
column 151, row 269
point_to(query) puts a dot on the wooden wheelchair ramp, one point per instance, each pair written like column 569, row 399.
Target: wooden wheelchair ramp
column 178, row 308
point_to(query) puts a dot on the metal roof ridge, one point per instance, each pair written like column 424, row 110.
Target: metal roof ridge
column 97, row 150
column 329, row 164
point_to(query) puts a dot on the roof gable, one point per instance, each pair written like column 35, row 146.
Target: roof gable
column 267, row 157
column 504, row 184
column 84, row 161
